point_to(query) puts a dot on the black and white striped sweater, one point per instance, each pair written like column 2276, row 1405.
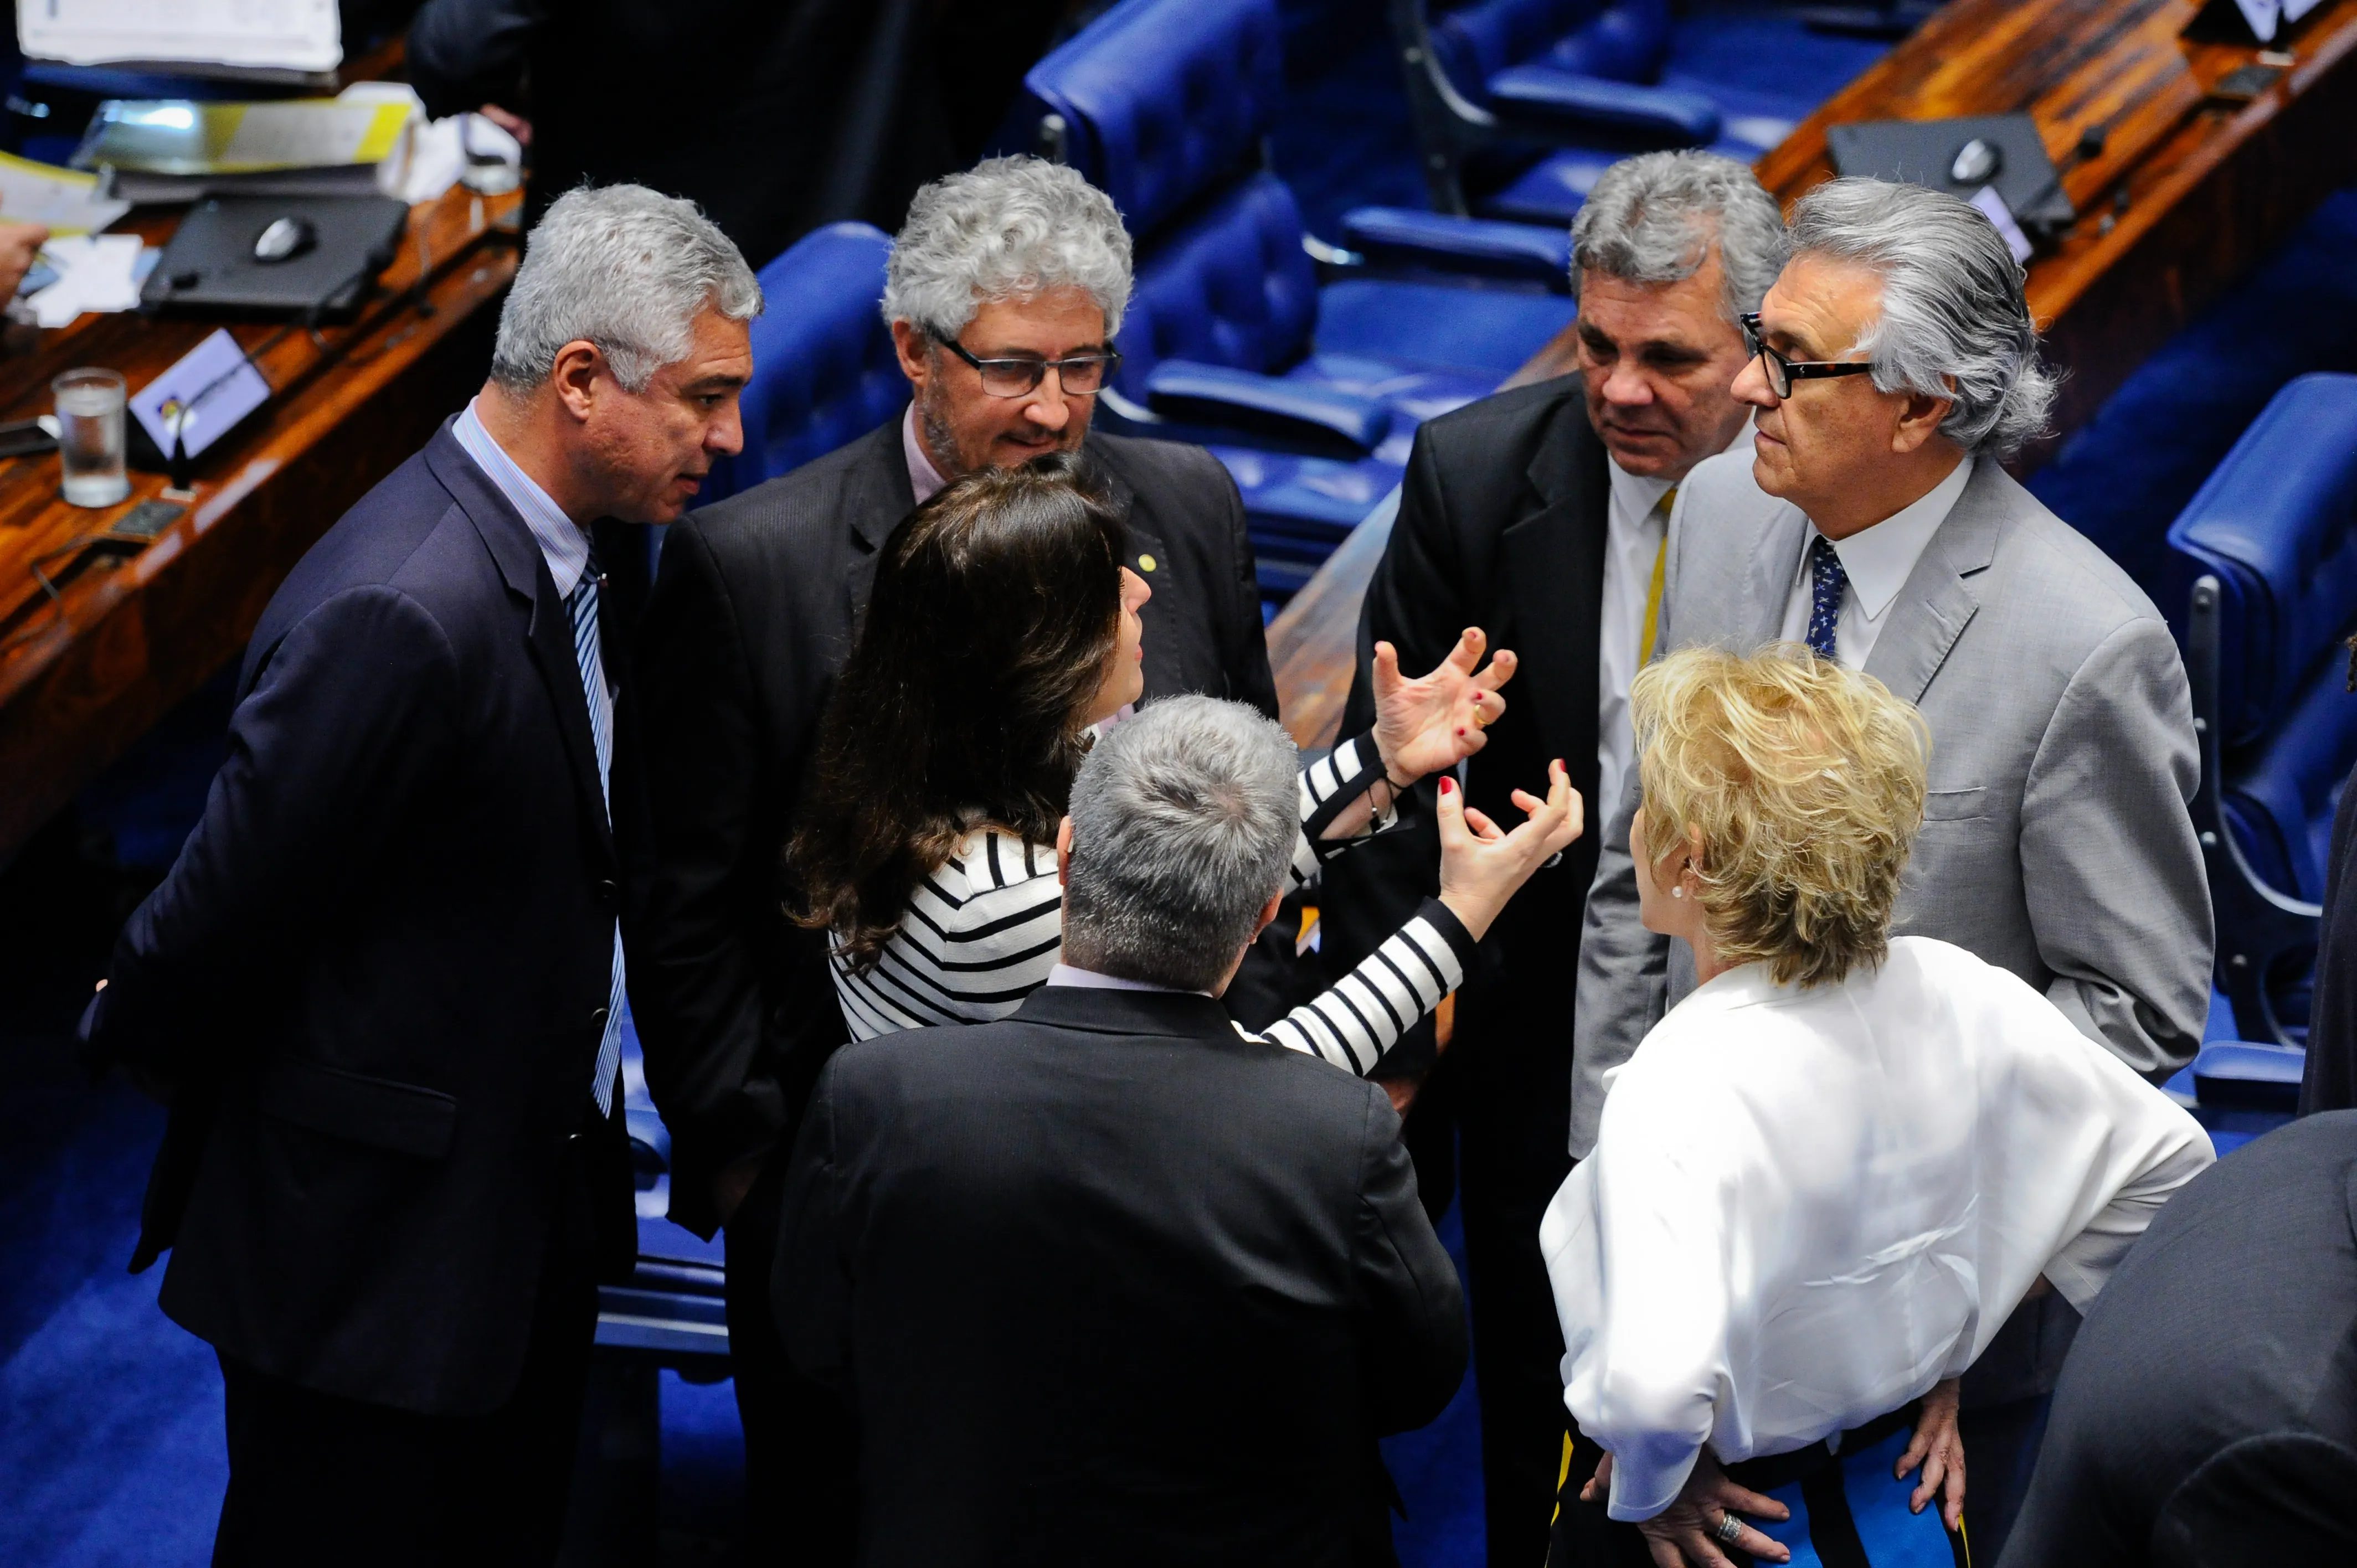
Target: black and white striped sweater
column 982, row 932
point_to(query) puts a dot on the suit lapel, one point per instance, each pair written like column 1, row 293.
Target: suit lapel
column 1933, row 610
column 548, row 636
column 877, row 497
column 1150, row 558
column 1768, row 577
column 1553, row 559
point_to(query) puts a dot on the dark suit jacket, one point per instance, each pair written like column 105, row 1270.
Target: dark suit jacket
column 1107, row 1282
column 2330, row 1079
column 751, row 616
column 775, row 117
column 379, row 970
column 1502, row 525
column 2234, row 1316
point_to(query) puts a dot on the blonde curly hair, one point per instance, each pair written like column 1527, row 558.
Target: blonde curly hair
column 1806, row 783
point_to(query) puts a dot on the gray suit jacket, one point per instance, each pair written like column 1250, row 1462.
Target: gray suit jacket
column 2056, row 841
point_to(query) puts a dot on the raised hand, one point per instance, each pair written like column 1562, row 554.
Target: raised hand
column 1482, row 866
column 1431, row 725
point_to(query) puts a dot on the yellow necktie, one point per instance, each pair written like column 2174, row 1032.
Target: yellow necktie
column 1653, row 593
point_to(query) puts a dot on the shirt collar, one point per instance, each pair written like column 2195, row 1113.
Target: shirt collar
column 563, row 542
column 923, row 478
column 1879, row 560
column 1089, row 980
column 1641, row 495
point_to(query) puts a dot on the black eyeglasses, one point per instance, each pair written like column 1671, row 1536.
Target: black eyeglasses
column 1079, row 376
column 1782, row 372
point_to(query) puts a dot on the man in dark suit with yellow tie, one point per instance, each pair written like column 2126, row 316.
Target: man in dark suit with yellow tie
column 1540, row 516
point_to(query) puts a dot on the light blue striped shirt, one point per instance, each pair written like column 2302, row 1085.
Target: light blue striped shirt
column 563, row 543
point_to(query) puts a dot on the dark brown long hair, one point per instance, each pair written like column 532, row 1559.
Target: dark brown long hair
column 995, row 609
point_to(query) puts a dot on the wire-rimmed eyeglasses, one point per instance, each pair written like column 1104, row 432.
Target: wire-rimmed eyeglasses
column 1080, row 375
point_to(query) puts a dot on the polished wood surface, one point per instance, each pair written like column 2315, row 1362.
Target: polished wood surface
column 124, row 630
column 2185, row 194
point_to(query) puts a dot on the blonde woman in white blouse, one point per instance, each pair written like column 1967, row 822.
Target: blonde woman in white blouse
column 1827, row 1176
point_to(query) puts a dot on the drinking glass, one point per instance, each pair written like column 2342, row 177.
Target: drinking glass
column 89, row 436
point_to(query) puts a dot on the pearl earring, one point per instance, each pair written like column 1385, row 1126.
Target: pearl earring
column 1677, row 891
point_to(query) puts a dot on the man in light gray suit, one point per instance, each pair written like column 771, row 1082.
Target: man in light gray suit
column 1895, row 364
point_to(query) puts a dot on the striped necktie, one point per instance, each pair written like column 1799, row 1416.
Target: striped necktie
column 583, row 603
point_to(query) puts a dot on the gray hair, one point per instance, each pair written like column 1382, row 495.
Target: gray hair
column 1955, row 323
column 1006, row 229
column 1651, row 219
column 626, row 269
column 1183, row 820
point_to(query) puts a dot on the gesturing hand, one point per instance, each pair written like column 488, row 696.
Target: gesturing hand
column 1687, row 1531
column 1939, row 1447
column 1431, row 725
column 1481, row 867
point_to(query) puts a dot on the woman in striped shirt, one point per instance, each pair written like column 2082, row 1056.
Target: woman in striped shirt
column 1001, row 630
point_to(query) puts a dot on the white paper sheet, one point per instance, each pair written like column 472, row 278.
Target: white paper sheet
column 283, row 35
column 63, row 200
column 95, row 272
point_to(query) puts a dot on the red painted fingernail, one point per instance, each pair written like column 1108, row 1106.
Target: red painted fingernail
column 1460, row 729
column 1449, row 785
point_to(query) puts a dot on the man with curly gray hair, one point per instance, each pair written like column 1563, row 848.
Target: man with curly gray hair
column 1894, row 365
column 1005, row 291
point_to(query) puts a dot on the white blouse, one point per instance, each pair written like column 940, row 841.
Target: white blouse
column 1805, row 1207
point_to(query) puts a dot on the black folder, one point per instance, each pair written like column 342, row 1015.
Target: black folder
column 1922, row 152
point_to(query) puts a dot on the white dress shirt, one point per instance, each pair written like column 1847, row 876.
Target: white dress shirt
column 1806, row 1207
column 1635, row 523
column 1877, row 560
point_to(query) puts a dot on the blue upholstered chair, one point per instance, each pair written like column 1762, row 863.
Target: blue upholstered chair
column 1495, row 83
column 824, row 369
column 2273, row 538
column 1308, row 388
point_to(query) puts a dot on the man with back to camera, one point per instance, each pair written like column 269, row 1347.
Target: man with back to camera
column 1896, row 365
column 383, row 980
column 1109, row 1280
column 1540, row 515
column 1005, row 291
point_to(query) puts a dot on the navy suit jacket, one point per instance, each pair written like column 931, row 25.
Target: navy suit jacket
column 377, row 973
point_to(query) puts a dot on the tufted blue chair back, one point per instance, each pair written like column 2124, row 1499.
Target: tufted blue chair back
column 1622, row 42
column 1165, row 101
column 1232, row 286
column 824, row 369
column 2277, row 524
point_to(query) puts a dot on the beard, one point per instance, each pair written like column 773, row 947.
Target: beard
column 941, row 441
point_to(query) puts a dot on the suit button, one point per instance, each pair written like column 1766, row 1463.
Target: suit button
column 608, row 894
column 598, row 1016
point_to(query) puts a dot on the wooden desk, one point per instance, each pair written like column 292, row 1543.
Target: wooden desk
column 131, row 629
column 2210, row 188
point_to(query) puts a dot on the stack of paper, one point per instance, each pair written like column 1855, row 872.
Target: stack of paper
column 178, row 149
column 271, row 39
column 61, row 201
column 95, row 272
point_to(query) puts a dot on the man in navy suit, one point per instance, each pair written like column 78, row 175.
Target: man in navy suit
column 381, row 983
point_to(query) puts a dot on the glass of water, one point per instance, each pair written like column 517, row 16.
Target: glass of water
column 89, row 436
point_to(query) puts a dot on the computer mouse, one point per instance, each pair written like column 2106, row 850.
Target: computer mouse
column 285, row 238
column 1977, row 163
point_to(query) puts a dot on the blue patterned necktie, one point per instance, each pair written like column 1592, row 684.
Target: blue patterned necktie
column 582, row 602
column 1826, row 580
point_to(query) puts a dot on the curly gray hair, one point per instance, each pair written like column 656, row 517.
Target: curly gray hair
column 1651, row 219
column 1006, row 229
column 624, row 268
column 1955, row 323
